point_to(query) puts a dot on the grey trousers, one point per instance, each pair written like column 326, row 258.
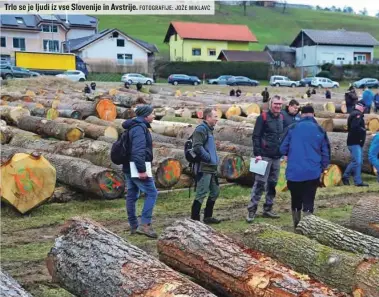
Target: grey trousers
column 207, row 183
column 265, row 182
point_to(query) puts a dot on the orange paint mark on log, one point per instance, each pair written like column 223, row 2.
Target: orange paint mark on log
column 358, row 293
column 374, row 226
column 33, row 178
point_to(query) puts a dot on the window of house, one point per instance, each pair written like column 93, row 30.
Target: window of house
column 19, row 43
column 196, row 52
column 49, row 28
column 51, row 46
column 20, row 21
column 3, row 42
column 121, row 42
column 211, row 52
column 125, row 59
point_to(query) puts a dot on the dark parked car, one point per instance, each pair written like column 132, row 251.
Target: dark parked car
column 366, row 82
column 9, row 72
column 221, row 80
column 241, row 81
column 306, row 82
column 176, row 79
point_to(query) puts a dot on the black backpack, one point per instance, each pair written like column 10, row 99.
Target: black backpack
column 189, row 154
column 120, row 151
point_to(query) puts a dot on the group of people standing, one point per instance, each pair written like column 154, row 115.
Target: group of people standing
column 292, row 134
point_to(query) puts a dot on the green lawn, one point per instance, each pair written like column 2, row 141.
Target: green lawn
column 270, row 25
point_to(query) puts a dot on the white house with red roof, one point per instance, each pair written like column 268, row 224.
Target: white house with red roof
column 190, row 41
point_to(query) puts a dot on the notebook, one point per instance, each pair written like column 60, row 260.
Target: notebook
column 134, row 171
column 259, row 167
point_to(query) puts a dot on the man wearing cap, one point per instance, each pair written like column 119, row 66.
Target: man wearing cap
column 141, row 151
column 355, row 140
column 307, row 148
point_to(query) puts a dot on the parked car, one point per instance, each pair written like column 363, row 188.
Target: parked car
column 134, row 78
column 369, row 82
column 176, row 79
column 74, row 75
column 221, row 80
column 9, row 72
column 306, row 82
column 283, row 81
column 323, row 82
column 241, row 81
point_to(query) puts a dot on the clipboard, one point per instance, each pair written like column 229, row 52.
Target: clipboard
column 134, row 171
column 259, row 167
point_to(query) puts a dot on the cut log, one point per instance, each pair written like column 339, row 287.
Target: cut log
column 251, row 119
column 340, row 125
column 345, row 271
column 167, row 128
column 339, row 237
column 125, row 113
column 64, row 194
column 11, row 115
column 90, row 130
column 341, row 107
column 105, row 109
column 99, row 122
column 251, row 108
column 365, row 216
column 27, row 180
column 329, row 106
column 49, row 128
column 327, row 124
column 372, row 122
column 9, row 287
column 340, row 154
column 332, row 176
column 331, row 115
column 228, row 267
column 129, row 100
column 69, row 113
column 6, row 134
column 81, row 174
column 121, row 268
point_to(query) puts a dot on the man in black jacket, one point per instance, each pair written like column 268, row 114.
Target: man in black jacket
column 355, row 140
column 266, row 95
column 351, row 99
column 268, row 131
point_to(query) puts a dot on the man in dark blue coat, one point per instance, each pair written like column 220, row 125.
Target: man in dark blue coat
column 141, row 151
column 307, row 148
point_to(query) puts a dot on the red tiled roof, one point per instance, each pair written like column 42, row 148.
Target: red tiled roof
column 210, row 31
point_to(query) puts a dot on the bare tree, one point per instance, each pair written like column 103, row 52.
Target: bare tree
column 363, row 11
column 244, row 3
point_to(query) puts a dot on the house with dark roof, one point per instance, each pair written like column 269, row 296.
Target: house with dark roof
column 317, row 47
column 41, row 33
column 245, row 56
column 190, row 41
column 113, row 50
column 283, row 55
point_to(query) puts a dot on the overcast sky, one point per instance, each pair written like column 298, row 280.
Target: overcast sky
column 372, row 6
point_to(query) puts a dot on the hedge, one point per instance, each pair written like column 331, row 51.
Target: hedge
column 253, row 70
column 354, row 72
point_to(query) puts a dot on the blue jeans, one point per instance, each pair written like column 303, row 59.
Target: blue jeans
column 135, row 186
column 355, row 166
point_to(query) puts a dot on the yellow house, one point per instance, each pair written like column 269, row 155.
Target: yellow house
column 204, row 41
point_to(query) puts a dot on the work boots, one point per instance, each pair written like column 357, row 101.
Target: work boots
column 251, row 214
column 208, row 213
column 269, row 213
column 296, row 217
column 195, row 212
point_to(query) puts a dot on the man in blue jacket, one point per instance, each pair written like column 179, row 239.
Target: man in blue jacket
column 373, row 153
column 307, row 148
column 141, row 151
column 204, row 147
column 367, row 98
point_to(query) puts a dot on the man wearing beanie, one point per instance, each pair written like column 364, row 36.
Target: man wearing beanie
column 307, row 148
column 141, row 151
column 356, row 138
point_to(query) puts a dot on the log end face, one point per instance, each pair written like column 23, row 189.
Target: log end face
column 106, row 109
column 332, row 176
column 111, row 132
column 373, row 125
column 111, row 184
column 168, row 172
column 74, row 134
column 232, row 167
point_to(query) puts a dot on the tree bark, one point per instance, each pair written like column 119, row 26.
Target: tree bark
column 331, row 115
column 125, row 113
column 328, row 106
column 11, row 115
column 345, row 271
column 340, row 125
column 9, row 287
column 339, row 237
column 29, row 179
column 89, row 260
column 50, row 128
column 6, row 134
column 90, row 130
column 168, row 128
column 228, row 267
column 341, row 155
column 341, row 107
column 99, row 122
column 128, row 100
column 327, row 124
column 365, row 216
column 81, row 174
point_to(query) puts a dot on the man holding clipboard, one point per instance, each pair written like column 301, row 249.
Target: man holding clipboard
column 268, row 131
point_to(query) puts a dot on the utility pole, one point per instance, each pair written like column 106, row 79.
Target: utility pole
column 302, row 54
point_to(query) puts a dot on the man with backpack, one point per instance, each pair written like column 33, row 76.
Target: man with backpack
column 268, row 131
column 139, row 147
column 205, row 167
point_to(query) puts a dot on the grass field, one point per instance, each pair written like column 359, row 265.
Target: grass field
column 270, row 25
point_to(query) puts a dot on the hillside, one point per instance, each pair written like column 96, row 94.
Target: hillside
column 270, row 25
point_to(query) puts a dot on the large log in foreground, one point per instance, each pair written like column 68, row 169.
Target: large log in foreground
column 365, row 216
column 12, row 114
column 229, row 268
column 338, row 237
column 80, row 174
column 345, row 271
column 9, row 287
column 89, row 260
